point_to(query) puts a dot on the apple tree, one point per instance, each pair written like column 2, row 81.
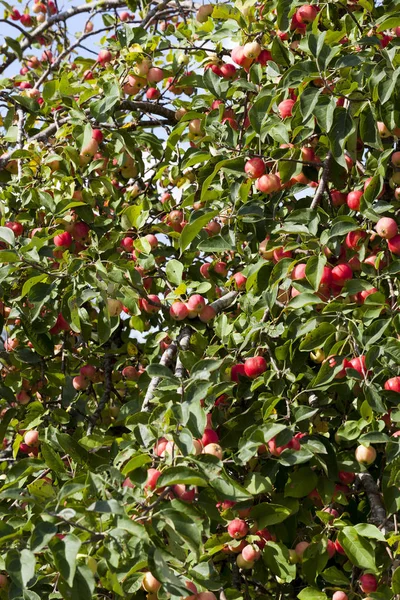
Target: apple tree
column 199, row 259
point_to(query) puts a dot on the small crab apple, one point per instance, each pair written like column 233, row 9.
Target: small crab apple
column 300, row 548
column 339, row 595
column 285, row 108
column 220, row 268
column 104, row 57
column 368, row 583
column 238, row 529
column 214, row 450
column 80, row 383
column 255, row 366
column 88, row 371
column 178, row 311
column 152, row 477
column 114, row 307
column 237, row 371
column 242, row 563
column 150, row 583
column 386, row 227
column 31, row 438
column 341, row 273
column 251, row 553
column 196, row 303
column 155, row 75
column 23, row 397
column 130, row 373
column 209, row 437
column 252, row 50
column 153, row 93
column 347, row 477
column 306, row 13
column 240, row 280
column 267, row 184
column 365, row 455
column 254, row 168
column 393, row 385
column 151, row 304
column 353, row 199
column 394, row 245
column 207, row 314
column 63, row 240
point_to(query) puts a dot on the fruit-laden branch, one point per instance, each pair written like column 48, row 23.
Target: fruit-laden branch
column 108, row 385
column 378, row 512
column 323, row 182
column 166, row 360
column 183, row 339
column 66, row 52
column 58, row 18
column 149, row 107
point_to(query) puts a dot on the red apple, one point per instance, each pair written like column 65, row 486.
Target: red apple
column 254, row 367
column 386, row 227
column 393, row 384
column 254, row 168
column 353, row 199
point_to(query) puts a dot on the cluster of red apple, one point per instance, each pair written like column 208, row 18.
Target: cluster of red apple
column 334, row 278
column 40, row 8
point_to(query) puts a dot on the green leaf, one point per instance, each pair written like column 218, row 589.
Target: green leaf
column 83, row 585
column 43, row 532
column 335, row 576
column 41, row 342
column 304, row 299
column 52, row 459
column 301, row 483
column 112, row 507
column 190, row 230
column 310, row 593
column 174, row 271
column 257, row 484
column 359, row 551
column 314, row 270
column 64, row 553
column 343, row 126
column 370, row 531
column 20, row 567
column 270, row 514
column 317, row 337
column 31, row 282
column 276, row 558
column 308, row 101
column 224, row 12
column 7, row 235
column 390, row 22
column 279, row 52
column 185, row 475
column 396, row 581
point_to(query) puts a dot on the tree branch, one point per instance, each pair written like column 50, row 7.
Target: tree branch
column 150, row 107
column 378, row 512
column 323, row 182
column 57, row 18
column 166, row 360
column 183, row 345
column 183, row 341
column 106, row 394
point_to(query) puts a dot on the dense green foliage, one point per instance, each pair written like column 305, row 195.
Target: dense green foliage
column 135, row 429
